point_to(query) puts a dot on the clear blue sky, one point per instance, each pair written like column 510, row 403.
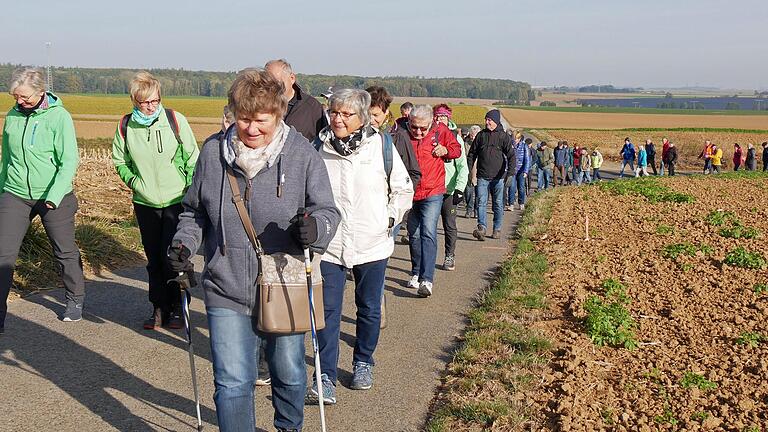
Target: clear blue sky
column 543, row 42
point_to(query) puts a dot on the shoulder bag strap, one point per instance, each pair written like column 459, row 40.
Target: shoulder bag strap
column 237, row 199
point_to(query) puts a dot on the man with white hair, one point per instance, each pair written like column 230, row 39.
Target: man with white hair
column 434, row 144
column 304, row 111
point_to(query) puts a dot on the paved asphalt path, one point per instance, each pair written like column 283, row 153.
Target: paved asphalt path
column 106, row 373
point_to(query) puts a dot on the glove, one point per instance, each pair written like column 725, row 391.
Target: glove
column 457, row 197
column 304, row 230
column 178, row 257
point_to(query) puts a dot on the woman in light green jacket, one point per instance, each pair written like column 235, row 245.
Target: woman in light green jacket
column 39, row 160
column 154, row 152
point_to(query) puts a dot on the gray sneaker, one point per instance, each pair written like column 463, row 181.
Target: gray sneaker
column 450, row 262
column 329, row 392
column 74, row 311
column 362, row 376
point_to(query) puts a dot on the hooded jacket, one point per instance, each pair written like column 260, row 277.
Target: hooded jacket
column 306, row 114
column 432, row 167
column 561, row 156
column 628, row 151
column 717, row 156
column 39, row 153
column 597, row 159
column 456, row 170
column 365, row 199
column 492, row 149
column 642, row 158
column 210, row 218
column 150, row 163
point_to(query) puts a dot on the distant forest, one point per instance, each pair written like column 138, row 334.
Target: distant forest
column 180, row 82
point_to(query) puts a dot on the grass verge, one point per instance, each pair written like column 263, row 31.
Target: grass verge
column 500, row 355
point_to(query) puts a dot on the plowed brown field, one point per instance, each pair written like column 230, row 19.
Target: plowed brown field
column 575, row 120
column 690, row 312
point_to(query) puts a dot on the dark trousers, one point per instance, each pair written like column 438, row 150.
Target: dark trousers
column 15, row 216
column 671, row 168
column 157, row 227
column 652, row 164
column 369, row 284
column 448, row 215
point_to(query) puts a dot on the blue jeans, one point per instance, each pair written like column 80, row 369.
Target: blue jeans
column 517, row 184
column 235, row 345
column 369, row 284
column 497, row 189
column 544, row 178
column 422, row 234
column 624, row 163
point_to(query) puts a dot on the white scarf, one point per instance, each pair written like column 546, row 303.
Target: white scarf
column 252, row 160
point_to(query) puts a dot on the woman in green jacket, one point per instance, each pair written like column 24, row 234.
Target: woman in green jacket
column 154, row 152
column 39, row 160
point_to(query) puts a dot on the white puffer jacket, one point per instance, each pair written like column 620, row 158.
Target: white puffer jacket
column 360, row 191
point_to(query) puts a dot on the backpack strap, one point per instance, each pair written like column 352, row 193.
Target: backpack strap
column 387, row 154
column 124, row 126
column 174, row 124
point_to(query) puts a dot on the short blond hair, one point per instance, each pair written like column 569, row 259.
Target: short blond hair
column 32, row 77
column 256, row 91
column 143, row 85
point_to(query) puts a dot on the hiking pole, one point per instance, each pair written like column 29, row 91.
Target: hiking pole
column 185, row 285
column 313, row 328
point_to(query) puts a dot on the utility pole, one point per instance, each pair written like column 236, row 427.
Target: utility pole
column 49, row 72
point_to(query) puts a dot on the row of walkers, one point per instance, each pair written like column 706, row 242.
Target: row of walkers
column 713, row 157
column 286, row 153
column 646, row 156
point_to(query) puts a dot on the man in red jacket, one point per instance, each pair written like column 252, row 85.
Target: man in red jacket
column 434, row 144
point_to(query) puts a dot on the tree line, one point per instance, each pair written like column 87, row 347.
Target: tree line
column 180, row 82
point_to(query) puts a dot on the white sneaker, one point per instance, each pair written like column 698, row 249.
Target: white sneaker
column 425, row 289
column 414, row 282
column 522, row 207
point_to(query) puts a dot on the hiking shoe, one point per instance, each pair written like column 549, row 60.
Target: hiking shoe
column 329, row 392
column 414, row 282
column 362, row 376
column 479, row 233
column 264, row 379
column 404, row 240
column 74, row 311
column 496, row 234
column 522, row 207
column 450, row 262
column 425, row 289
column 469, row 214
column 154, row 320
column 508, row 208
column 175, row 320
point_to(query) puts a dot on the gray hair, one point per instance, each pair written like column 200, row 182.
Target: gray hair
column 421, row 112
column 32, row 77
column 356, row 99
column 474, row 130
column 282, row 63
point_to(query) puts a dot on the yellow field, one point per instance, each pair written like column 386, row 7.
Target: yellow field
column 576, row 120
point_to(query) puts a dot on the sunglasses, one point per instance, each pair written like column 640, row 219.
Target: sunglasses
column 419, row 128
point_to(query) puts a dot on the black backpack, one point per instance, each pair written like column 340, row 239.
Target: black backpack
column 169, row 113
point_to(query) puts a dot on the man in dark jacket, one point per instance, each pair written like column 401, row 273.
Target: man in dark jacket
column 304, row 111
column 650, row 154
column 671, row 158
column 493, row 150
column 765, row 155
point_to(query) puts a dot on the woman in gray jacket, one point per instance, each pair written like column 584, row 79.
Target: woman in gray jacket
column 278, row 172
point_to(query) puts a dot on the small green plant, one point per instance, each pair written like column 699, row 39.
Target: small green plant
column 650, row 188
column 752, row 429
column 719, row 217
column 686, row 267
column 740, row 257
column 699, row 416
column 607, row 414
column 608, row 321
column 692, row 379
column 760, row 288
column 601, row 258
column 667, row 418
column 664, row 230
column 751, row 339
column 738, row 231
column 672, row 251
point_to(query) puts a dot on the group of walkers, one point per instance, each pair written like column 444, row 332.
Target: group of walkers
column 645, row 156
column 712, row 155
column 339, row 182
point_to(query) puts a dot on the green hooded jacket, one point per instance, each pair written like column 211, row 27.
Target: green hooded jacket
column 456, row 170
column 39, row 153
column 152, row 165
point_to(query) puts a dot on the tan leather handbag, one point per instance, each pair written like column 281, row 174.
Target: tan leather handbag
column 283, row 293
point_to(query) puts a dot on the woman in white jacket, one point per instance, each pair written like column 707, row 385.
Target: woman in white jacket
column 371, row 202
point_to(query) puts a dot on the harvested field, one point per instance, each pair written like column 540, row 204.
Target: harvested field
column 700, row 361
column 571, row 120
column 689, row 143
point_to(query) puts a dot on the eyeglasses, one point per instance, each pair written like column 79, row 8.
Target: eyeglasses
column 344, row 115
column 24, row 98
column 153, row 102
column 419, row 128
